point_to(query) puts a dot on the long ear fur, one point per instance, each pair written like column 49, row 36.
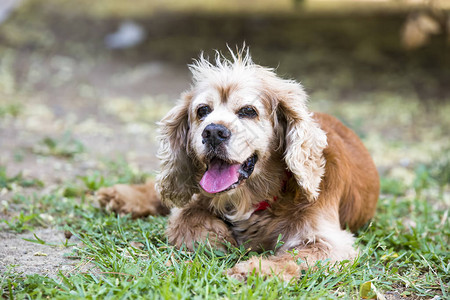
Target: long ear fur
column 304, row 140
column 176, row 180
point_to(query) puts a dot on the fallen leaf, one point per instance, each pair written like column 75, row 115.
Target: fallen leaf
column 365, row 290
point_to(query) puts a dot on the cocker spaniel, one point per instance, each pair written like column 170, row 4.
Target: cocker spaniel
column 244, row 161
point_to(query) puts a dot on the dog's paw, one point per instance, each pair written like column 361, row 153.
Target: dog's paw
column 238, row 272
column 192, row 226
column 111, row 199
column 283, row 269
column 137, row 200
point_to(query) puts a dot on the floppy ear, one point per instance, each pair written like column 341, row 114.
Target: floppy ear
column 176, row 180
column 304, row 141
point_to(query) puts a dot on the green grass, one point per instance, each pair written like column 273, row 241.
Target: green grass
column 11, row 109
column 403, row 250
column 63, row 146
column 7, row 182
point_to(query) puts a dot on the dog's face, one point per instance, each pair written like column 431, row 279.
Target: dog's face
column 231, row 133
column 218, row 139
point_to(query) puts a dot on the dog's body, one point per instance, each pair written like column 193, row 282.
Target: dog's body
column 245, row 162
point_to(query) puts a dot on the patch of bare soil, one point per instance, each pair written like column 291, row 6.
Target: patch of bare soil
column 22, row 256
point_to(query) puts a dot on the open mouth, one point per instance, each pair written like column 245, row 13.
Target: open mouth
column 222, row 176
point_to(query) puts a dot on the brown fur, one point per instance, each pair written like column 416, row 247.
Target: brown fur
column 139, row 200
column 334, row 182
column 225, row 91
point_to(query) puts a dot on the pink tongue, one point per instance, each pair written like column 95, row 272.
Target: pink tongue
column 219, row 176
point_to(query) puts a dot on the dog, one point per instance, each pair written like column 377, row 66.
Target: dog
column 244, row 162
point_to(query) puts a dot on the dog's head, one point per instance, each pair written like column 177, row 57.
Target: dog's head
column 236, row 116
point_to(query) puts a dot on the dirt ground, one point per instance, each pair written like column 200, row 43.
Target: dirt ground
column 61, row 79
column 32, row 258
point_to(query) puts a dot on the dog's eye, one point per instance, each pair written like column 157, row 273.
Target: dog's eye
column 247, row 112
column 203, row 111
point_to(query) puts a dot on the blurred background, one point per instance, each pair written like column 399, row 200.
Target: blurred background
column 83, row 82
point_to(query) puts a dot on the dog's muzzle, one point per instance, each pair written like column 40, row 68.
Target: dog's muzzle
column 222, row 174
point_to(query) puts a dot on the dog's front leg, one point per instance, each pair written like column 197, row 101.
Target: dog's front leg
column 329, row 242
column 195, row 224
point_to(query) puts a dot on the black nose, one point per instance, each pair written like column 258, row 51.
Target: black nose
column 215, row 134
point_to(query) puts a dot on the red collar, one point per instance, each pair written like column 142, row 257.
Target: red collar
column 263, row 205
